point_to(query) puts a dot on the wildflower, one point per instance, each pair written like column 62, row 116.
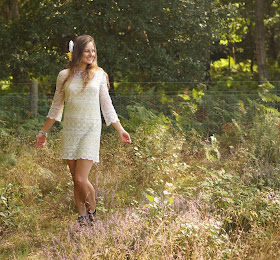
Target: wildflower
column 69, row 55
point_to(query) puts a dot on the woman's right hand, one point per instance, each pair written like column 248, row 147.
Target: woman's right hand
column 41, row 140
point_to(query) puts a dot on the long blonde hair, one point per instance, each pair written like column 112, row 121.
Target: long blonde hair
column 79, row 46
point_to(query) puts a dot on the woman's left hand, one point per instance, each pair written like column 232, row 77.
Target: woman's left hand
column 125, row 137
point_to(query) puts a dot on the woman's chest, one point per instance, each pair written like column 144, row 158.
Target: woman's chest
column 75, row 90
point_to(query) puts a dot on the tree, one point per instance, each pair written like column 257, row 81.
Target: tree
column 255, row 25
column 10, row 9
column 147, row 41
column 260, row 41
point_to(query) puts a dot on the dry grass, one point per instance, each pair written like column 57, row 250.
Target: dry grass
column 179, row 221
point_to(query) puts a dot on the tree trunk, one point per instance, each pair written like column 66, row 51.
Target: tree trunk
column 11, row 9
column 251, row 45
column 272, row 44
column 260, row 41
column 208, row 65
column 272, row 32
column 208, row 47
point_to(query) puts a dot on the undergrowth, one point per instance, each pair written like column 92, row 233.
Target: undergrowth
column 171, row 194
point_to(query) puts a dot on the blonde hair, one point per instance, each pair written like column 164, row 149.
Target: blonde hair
column 79, row 46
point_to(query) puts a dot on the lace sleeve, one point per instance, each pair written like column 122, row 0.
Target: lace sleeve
column 56, row 109
column 107, row 108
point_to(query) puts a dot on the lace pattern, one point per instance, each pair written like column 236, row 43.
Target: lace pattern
column 82, row 116
column 108, row 111
column 56, row 109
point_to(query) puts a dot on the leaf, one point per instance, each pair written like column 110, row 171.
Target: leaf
column 3, row 215
column 150, row 198
column 170, row 200
column 4, row 200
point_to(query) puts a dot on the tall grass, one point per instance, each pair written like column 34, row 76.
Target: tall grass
column 169, row 195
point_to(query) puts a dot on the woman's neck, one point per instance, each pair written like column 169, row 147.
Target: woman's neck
column 81, row 68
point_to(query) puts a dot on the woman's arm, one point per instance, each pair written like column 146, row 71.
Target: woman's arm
column 41, row 139
column 124, row 136
column 109, row 112
column 55, row 112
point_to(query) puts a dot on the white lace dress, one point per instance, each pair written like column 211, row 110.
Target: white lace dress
column 82, row 118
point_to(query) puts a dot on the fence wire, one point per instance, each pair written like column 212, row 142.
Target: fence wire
column 209, row 110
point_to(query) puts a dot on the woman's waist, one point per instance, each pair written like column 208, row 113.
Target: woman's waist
column 85, row 106
column 80, row 113
column 81, row 124
column 81, row 118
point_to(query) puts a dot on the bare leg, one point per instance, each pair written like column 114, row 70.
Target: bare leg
column 72, row 166
column 84, row 192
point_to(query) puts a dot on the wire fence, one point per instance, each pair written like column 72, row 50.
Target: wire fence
column 209, row 110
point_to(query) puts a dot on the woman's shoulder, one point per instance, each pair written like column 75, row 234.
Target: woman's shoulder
column 100, row 71
column 63, row 73
column 102, row 74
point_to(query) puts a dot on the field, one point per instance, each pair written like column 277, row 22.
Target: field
column 195, row 83
column 171, row 194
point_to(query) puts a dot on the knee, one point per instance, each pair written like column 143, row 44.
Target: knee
column 79, row 182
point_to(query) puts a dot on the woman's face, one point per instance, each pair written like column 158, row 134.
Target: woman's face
column 88, row 54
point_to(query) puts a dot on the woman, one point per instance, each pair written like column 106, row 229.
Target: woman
column 83, row 88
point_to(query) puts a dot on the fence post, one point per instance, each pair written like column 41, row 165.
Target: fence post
column 34, row 98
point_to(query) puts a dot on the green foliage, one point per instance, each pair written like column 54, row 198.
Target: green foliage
column 227, row 75
column 241, row 205
column 154, row 199
column 139, row 115
column 264, row 138
column 158, row 207
column 185, row 111
column 237, row 32
column 15, row 118
column 147, row 41
column 10, row 205
column 234, row 26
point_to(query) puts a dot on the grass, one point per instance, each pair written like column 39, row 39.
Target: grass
column 163, row 197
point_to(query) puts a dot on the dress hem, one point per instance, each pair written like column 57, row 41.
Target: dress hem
column 83, row 158
column 115, row 121
column 55, row 118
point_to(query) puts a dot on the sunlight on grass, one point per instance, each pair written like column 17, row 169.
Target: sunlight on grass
column 166, row 196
